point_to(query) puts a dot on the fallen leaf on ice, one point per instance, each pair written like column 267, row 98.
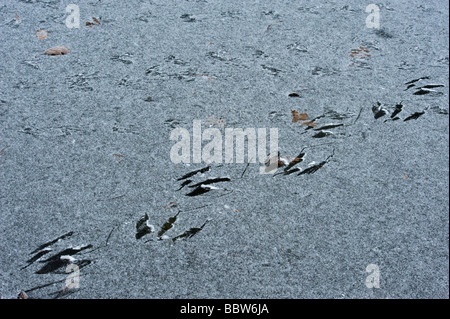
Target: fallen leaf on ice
column 360, row 53
column 310, row 123
column 302, row 117
column 295, row 160
column 171, row 204
column 298, row 117
column 22, row 295
column 58, row 50
column 41, row 34
column 90, row 24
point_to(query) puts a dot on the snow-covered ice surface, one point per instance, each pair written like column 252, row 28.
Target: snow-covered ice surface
column 85, row 149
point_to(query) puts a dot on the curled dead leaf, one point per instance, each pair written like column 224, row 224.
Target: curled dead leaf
column 22, row 295
column 360, row 53
column 171, row 204
column 310, row 123
column 58, row 50
column 90, row 24
column 41, row 34
column 298, row 117
column 293, row 161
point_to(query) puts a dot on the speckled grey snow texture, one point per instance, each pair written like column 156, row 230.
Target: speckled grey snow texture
column 85, row 148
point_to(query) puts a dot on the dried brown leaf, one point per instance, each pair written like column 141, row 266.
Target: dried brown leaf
column 58, row 50
column 41, row 34
column 171, row 204
column 293, row 161
column 298, row 117
column 310, row 123
column 22, row 295
column 360, row 53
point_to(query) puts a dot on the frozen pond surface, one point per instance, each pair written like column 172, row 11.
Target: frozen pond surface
column 85, row 149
